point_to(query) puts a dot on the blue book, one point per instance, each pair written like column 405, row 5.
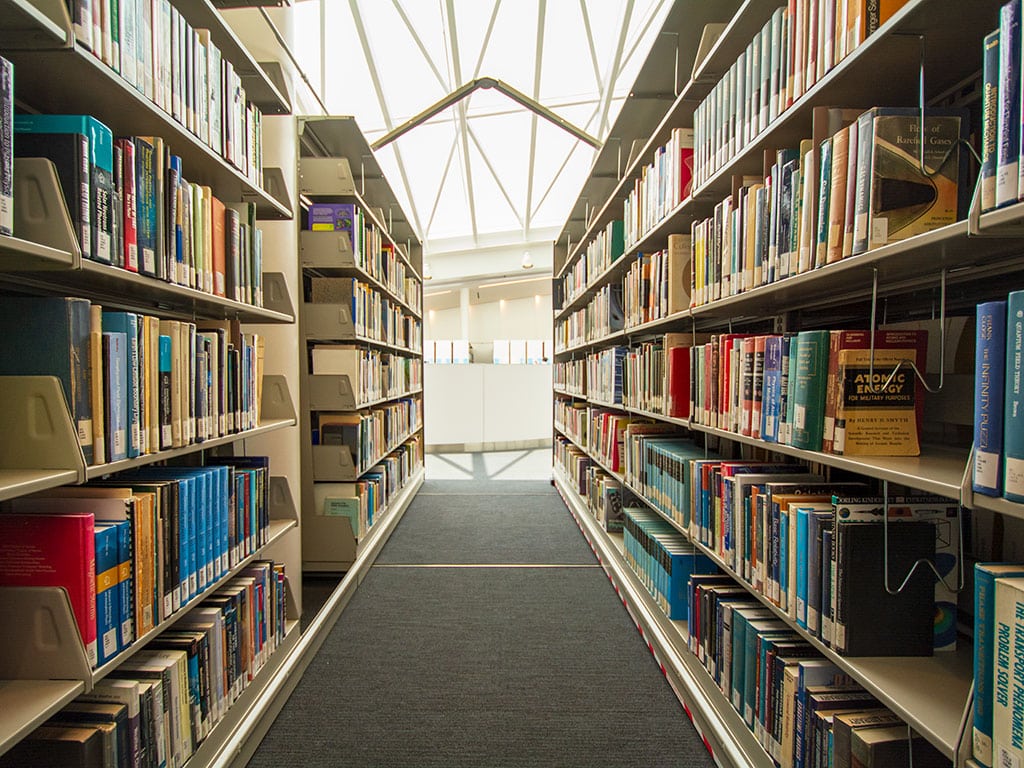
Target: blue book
column 115, row 406
column 771, row 396
column 126, row 581
column 989, row 119
column 145, row 205
column 108, row 593
column 815, row 563
column 741, row 619
column 1013, row 414
column 100, row 147
column 128, row 324
column 755, row 631
column 1008, row 126
column 990, row 356
column 164, row 386
column 179, row 268
column 811, row 672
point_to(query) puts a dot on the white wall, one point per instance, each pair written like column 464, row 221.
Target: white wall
column 482, row 406
column 510, row 319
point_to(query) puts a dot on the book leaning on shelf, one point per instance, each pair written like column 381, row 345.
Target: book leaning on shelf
column 6, row 147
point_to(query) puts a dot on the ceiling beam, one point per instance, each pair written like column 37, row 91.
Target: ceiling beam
column 590, row 44
column 456, row 64
column 565, row 162
column 444, row 178
column 613, row 68
column 487, row 38
column 537, row 70
column 497, row 179
column 382, row 102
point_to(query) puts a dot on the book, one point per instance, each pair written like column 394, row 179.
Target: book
column 809, row 389
column 890, row 746
column 990, row 108
column 873, row 417
column 97, row 177
column 116, row 399
column 6, row 147
column 837, row 196
column 1013, row 393
column 54, row 551
column 50, row 336
column 57, row 746
column 108, row 593
column 989, row 381
column 125, row 692
column 985, row 579
column 844, row 724
column 127, row 324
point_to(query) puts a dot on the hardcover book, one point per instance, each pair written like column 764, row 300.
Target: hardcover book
column 873, row 419
column 989, row 380
column 1013, row 393
column 6, row 147
column 989, row 119
column 809, row 389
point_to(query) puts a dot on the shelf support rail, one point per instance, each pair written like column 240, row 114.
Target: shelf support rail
column 924, row 561
column 907, row 363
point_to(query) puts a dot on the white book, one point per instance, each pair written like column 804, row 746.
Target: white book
column 148, row 39
column 126, row 28
column 175, row 64
column 1008, row 693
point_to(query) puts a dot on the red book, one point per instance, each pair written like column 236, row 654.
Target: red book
column 677, row 361
column 219, row 247
column 54, row 551
column 129, row 206
column 686, row 172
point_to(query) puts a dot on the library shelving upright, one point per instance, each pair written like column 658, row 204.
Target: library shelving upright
column 376, row 316
column 939, row 275
column 43, row 662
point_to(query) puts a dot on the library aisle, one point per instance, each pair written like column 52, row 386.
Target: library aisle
column 485, row 634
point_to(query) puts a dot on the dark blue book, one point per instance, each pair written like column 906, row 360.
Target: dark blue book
column 50, row 337
column 108, row 593
column 175, row 222
column 146, row 205
column 771, row 396
column 128, row 324
column 115, row 406
column 989, row 378
column 126, row 628
column 989, row 119
column 1008, row 126
column 99, row 177
column 1013, row 413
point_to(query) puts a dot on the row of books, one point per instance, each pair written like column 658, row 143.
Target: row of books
column 366, row 500
column 662, row 558
column 784, row 531
column 1002, row 182
column 856, row 185
column 180, row 69
column 607, row 247
column 372, row 314
column 803, row 709
column 135, row 384
column 132, row 207
column 132, row 551
column 796, row 47
column 370, row 250
column 571, row 418
column 372, row 434
column 656, row 375
column 156, row 708
column 998, row 467
column 605, row 374
column 570, row 377
column 601, row 317
column 657, row 285
column 372, row 375
column 662, row 185
column 604, row 498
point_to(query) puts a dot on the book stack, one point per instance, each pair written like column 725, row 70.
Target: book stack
column 570, row 376
column 601, row 317
column 132, row 207
column 573, row 283
column 369, row 435
column 372, row 375
column 605, row 375
column 815, row 390
column 574, row 462
column 662, row 558
column 998, row 468
column 160, row 705
column 572, row 419
column 1001, row 181
column 659, row 467
column 178, row 68
column 136, row 384
column 605, row 434
column 854, row 186
column 365, row 501
column 656, row 375
column 662, row 185
column 607, row 248
column 657, row 285
column 604, row 499
column 797, row 46
column 145, row 545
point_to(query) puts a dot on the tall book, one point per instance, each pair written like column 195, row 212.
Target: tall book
column 130, row 384
column 985, row 576
column 51, row 337
column 146, row 161
column 54, row 551
column 809, row 389
column 1008, row 688
column 115, row 398
column 1013, row 410
column 876, row 405
column 1008, row 125
column 989, row 119
column 6, row 147
column 989, row 380
column 837, row 195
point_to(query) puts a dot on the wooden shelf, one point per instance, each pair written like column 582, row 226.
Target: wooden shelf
column 72, row 80
column 26, row 704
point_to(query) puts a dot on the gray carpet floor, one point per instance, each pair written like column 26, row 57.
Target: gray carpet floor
column 483, row 666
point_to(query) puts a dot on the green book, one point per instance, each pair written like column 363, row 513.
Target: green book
column 809, row 389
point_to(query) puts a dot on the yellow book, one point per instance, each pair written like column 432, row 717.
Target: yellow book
column 871, row 421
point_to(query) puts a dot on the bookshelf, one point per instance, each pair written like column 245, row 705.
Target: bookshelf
column 41, row 673
column 956, row 266
column 336, row 165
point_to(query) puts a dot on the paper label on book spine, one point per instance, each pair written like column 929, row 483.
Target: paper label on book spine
column 986, row 468
column 879, row 230
column 1014, row 478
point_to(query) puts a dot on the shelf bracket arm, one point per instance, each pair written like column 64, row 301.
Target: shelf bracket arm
column 924, row 561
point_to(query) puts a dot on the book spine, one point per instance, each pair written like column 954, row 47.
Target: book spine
column 824, row 201
column 1008, row 690
column 145, row 206
column 7, row 146
column 96, row 383
column 114, row 365
column 862, row 206
column 984, row 661
column 1008, row 152
column 989, row 119
column 1013, row 414
column 165, row 357
column 130, row 228
column 989, row 379
column 107, row 593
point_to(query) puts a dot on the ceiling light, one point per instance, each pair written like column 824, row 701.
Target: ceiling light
column 512, row 282
column 432, row 295
column 527, row 261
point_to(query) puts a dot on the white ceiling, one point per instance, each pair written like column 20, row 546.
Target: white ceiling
column 486, row 168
